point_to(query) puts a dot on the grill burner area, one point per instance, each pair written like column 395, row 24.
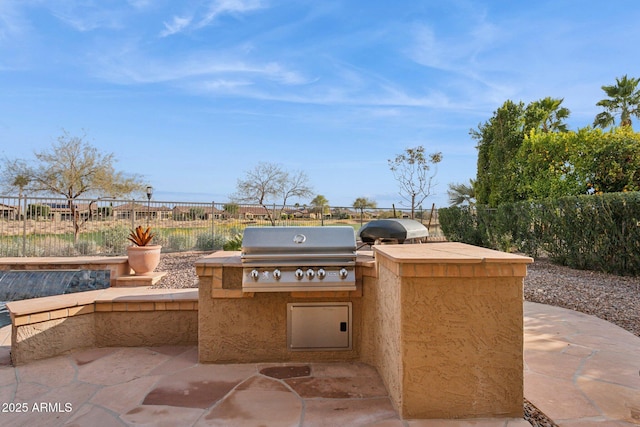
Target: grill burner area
column 393, row 230
column 282, row 259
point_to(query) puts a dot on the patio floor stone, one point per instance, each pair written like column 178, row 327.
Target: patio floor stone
column 579, row 370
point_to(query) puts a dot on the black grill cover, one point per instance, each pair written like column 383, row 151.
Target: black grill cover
column 392, row 230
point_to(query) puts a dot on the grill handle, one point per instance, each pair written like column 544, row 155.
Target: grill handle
column 298, row 256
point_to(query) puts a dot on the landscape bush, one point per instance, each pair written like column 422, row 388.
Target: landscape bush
column 179, row 242
column 86, row 247
column 596, row 232
column 115, row 239
column 234, row 243
column 209, row 242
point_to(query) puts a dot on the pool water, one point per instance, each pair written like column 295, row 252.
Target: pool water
column 5, row 319
column 16, row 285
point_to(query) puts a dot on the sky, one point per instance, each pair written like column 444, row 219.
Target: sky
column 192, row 95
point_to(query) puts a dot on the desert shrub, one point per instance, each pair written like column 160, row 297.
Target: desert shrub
column 86, row 247
column 161, row 238
column 115, row 239
column 11, row 248
column 179, row 242
column 65, row 249
column 234, row 243
column 49, row 246
column 209, row 242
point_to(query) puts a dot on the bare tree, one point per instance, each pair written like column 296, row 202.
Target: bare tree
column 269, row 185
column 72, row 168
column 412, row 170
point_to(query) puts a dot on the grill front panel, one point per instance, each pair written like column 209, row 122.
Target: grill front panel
column 284, row 259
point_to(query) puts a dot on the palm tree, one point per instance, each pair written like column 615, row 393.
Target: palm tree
column 546, row 115
column 624, row 100
column 320, row 205
column 460, row 194
column 363, row 203
column 15, row 174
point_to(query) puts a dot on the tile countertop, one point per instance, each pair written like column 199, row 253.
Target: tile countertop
column 220, row 259
column 142, row 294
column 232, row 259
column 447, row 253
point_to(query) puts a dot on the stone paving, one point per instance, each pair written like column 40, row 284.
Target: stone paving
column 579, row 370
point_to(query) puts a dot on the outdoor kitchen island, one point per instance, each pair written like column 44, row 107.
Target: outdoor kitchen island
column 441, row 322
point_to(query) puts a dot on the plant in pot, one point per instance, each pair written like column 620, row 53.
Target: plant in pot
column 143, row 257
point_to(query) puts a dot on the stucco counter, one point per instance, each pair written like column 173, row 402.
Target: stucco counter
column 450, row 324
column 442, row 323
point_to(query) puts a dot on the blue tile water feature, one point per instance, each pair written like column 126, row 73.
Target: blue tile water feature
column 17, row 285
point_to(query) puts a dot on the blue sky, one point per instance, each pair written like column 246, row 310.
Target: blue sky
column 193, row 94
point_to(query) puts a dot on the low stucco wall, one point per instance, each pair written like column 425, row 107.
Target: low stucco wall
column 51, row 338
column 50, row 326
column 381, row 338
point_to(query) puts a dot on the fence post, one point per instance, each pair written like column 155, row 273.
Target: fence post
column 24, row 225
column 213, row 221
column 133, row 214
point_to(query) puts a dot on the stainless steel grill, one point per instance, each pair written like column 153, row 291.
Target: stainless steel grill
column 281, row 259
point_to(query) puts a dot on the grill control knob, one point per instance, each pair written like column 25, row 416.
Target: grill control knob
column 299, row 274
column 321, row 273
column 310, row 274
column 343, row 273
column 277, row 274
column 255, row 274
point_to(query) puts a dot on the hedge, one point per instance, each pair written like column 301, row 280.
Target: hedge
column 594, row 232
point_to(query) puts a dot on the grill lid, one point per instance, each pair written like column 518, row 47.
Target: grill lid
column 392, row 229
column 275, row 242
column 283, row 259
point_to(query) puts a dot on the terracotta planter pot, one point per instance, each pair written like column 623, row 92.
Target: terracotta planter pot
column 144, row 259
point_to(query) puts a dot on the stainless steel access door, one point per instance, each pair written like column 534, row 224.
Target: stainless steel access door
column 319, row 326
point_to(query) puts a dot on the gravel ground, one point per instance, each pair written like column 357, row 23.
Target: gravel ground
column 181, row 272
column 613, row 298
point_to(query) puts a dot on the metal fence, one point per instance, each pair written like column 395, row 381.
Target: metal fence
column 39, row 226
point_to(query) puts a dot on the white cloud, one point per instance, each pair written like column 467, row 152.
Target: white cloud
column 140, row 4
column 176, row 26
column 212, row 71
column 224, row 85
column 12, row 22
column 216, row 9
column 220, row 7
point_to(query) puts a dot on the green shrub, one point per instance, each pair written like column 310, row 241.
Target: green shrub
column 209, row 242
column 460, row 224
column 596, row 232
column 10, row 247
column 114, row 239
column 179, row 242
column 86, row 247
column 234, row 243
